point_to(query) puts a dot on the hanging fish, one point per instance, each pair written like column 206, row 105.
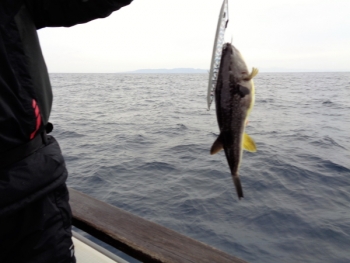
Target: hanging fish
column 234, row 99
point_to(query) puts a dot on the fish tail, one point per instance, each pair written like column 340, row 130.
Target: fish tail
column 238, row 186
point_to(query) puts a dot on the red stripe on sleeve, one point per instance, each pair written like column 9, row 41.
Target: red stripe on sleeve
column 38, row 119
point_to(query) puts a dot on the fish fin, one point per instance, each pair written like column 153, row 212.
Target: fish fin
column 217, row 146
column 248, row 143
column 243, row 91
column 238, row 186
column 254, row 72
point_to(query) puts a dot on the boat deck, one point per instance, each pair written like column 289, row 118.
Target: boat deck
column 87, row 251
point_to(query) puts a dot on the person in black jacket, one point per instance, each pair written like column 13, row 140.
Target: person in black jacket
column 35, row 217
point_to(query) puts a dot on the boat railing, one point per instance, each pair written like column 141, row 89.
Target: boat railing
column 138, row 237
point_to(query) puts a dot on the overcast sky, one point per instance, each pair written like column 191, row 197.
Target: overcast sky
column 272, row 35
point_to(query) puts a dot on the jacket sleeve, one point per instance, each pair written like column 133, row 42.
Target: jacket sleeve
column 57, row 13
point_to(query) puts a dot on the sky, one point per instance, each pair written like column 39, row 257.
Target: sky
column 272, row 35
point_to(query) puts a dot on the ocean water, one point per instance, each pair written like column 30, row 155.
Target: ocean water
column 141, row 142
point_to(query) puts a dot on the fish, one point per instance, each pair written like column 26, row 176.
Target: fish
column 234, row 99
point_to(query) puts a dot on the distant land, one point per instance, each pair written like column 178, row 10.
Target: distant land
column 170, row 71
column 206, row 71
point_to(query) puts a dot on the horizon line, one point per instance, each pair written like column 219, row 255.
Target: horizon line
column 132, row 72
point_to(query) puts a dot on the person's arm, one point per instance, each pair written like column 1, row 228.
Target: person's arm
column 57, row 13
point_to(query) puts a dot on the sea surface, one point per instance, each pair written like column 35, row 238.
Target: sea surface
column 141, row 142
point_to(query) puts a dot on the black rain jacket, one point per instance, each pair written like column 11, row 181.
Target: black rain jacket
column 26, row 95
